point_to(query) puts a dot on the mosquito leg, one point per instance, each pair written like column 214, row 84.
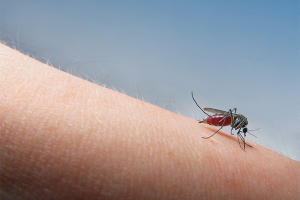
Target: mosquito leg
column 230, row 112
column 223, row 118
column 231, row 131
column 239, row 136
column 233, row 110
column 213, row 133
column 242, row 138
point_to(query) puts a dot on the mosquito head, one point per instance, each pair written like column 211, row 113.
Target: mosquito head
column 245, row 130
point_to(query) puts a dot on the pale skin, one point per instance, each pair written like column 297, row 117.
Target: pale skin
column 65, row 138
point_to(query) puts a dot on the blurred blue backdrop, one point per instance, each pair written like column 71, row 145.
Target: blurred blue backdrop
column 234, row 53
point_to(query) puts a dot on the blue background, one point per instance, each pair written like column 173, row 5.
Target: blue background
column 233, row 53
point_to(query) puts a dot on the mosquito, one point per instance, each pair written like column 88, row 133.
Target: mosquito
column 225, row 118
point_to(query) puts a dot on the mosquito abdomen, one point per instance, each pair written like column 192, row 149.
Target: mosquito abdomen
column 217, row 120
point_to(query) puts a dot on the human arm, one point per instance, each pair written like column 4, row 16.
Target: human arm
column 66, row 138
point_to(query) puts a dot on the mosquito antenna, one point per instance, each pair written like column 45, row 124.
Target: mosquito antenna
column 251, row 134
column 254, row 129
column 199, row 106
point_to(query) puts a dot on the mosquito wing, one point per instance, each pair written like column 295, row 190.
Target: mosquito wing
column 216, row 111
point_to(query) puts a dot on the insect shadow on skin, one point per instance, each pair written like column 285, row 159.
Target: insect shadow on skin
column 225, row 118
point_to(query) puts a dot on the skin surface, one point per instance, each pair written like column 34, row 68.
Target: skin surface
column 62, row 137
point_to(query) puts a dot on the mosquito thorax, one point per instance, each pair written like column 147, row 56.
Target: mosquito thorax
column 240, row 121
column 245, row 130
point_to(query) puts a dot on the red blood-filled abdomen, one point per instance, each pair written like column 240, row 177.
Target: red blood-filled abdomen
column 218, row 120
